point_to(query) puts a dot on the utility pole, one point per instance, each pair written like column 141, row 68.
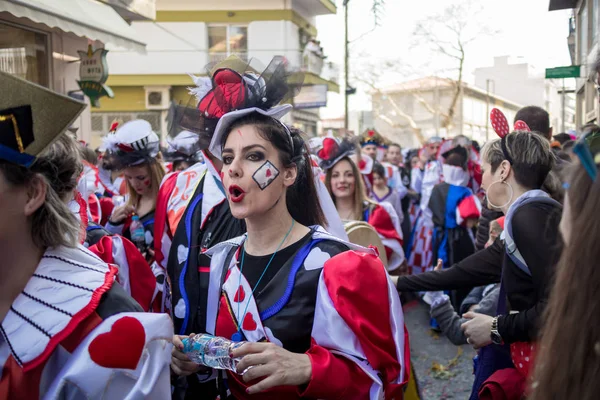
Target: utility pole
column 487, row 109
column 563, row 105
column 346, row 66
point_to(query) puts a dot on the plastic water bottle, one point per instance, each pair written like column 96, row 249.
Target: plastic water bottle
column 211, row 351
column 138, row 236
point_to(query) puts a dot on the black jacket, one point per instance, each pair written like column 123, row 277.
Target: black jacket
column 535, row 231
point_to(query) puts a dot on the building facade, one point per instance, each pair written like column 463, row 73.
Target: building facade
column 522, row 83
column 411, row 112
column 584, row 31
column 189, row 34
column 40, row 40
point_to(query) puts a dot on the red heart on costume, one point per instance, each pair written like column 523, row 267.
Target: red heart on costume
column 371, row 133
column 240, row 295
column 249, row 323
column 362, row 164
column 121, row 347
column 268, row 173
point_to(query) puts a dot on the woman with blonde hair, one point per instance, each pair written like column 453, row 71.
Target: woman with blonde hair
column 135, row 148
column 60, row 309
column 345, row 185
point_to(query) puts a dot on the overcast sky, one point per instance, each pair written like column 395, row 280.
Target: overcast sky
column 525, row 28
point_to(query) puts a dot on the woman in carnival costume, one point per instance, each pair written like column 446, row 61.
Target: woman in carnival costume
column 67, row 331
column 135, row 274
column 314, row 337
column 193, row 213
column 135, row 148
column 343, row 180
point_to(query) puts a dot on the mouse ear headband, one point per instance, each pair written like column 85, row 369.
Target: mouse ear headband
column 501, row 127
column 500, row 123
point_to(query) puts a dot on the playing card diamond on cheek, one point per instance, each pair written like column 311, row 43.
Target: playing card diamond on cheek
column 265, row 175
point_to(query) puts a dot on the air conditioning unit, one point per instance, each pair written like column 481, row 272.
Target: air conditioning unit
column 157, row 97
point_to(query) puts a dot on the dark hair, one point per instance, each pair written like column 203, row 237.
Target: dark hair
column 569, row 365
column 395, row 145
column 532, row 159
column 562, row 138
column 536, row 118
column 301, row 198
column 378, row 169
column 456, row 160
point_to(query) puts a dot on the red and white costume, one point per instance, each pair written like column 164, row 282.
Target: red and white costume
column 421, row 252
column 340, row 302
column 65, row 336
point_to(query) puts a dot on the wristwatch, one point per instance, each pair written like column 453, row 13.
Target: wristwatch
column 494, row 334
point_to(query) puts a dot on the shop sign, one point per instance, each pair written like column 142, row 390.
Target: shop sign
column 93, row 73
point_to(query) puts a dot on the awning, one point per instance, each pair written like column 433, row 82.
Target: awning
column 562, row 4
column 86, row 18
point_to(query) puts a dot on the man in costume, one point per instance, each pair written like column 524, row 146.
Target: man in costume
column 67, row 330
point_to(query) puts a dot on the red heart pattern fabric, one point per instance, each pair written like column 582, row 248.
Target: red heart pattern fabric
column 249, row 323
column 240, row 295
column 121, row 347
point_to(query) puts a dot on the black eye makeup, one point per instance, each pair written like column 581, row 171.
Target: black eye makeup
column 227, row 159
column 255, row 156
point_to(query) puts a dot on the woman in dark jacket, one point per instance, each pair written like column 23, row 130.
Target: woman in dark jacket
column 514, row 168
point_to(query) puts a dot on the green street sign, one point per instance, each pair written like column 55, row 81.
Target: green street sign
column 572, row 71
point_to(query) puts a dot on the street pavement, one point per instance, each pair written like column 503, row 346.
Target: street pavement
column 444, row 371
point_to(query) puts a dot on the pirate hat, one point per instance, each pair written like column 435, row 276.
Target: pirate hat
column 31, row 118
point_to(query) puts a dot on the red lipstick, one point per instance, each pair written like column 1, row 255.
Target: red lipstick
column 236, row 193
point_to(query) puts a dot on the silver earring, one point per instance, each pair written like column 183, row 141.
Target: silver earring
column 509, row 199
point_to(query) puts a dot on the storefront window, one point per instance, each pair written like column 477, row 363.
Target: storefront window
column 24, row 53
column 224, row 40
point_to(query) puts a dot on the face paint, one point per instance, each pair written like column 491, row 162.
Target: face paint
column 239, row 132
column 265, row 175
column 147, row 182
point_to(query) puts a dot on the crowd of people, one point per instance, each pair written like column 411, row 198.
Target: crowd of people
column 302, row 252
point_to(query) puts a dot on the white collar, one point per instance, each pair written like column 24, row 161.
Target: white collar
column 64, row 290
